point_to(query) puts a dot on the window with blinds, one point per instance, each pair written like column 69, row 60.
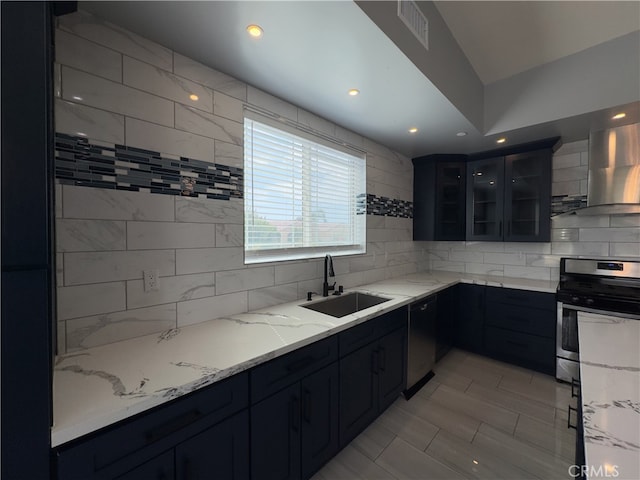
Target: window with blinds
column 302, row 198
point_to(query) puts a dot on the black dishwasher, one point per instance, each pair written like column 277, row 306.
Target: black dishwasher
column 422, row 344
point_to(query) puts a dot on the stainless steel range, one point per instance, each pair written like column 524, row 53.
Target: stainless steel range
column 609, row 287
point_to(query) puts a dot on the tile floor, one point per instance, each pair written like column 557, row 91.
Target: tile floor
column 477, row 418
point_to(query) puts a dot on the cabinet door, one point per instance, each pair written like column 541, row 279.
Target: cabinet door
column 391, row 356
column 485, row 192
column 158, row 468
column 450, row 201
column 275, row 436
column 219, row 452
column 469, row 319
column 319, row 397
column 445, row 320
column 527, row 208
column 424, row 199
column 358, row 392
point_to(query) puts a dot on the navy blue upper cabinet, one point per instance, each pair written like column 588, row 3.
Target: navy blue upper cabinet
column 509, row 197
column 439, row 197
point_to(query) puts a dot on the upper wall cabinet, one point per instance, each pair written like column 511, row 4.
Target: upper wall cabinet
column 439, row 197
column 509, row 198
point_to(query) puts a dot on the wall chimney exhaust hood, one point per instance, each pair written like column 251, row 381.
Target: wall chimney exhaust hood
column 614, row 171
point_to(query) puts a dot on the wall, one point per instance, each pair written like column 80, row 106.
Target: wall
column 127, row 136
column 571, row 235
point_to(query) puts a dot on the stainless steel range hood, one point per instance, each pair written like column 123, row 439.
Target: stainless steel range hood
column 614, row 171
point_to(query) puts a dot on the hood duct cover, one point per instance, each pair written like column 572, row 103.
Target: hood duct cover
column 614, row 166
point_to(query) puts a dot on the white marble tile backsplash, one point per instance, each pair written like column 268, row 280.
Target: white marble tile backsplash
column 106, row 238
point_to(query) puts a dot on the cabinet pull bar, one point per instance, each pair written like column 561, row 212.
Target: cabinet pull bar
column 173, row 426
column 570, row 409
column 575, row 386
column 306, row 405
column 500, row 229
column 517, row 344
column 294, row 414
column 383, row 360
column 300, row 364
column 375, row 362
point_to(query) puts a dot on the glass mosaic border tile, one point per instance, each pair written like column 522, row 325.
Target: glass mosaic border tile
column 83, row 162
column 389, row 207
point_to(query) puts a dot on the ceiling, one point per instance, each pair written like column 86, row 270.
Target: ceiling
column 315, row 67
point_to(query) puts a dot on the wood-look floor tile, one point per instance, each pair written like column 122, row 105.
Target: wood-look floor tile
column 452, row 379
column 457, row 423
column 549, row 392
column 522, row 454
column 514, row 402
column 509, row 371
column 469, row 370
column 351, row 464
column 411, row 428
column 373, row 440
column 474, row 460
column 407, row 462
column 476, row 408
column 428, row 388
column 556, row 439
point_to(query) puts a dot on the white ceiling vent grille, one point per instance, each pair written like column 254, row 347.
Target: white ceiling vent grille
column 415, row 20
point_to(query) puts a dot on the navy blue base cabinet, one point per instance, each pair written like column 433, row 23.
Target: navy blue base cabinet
column 372, row 375
column 469, row 321
column 294, row 431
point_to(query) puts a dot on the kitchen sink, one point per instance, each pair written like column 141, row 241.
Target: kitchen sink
column 339, row 306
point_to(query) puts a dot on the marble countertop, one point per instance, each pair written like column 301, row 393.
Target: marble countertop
column 97, row 387
column 610, row 380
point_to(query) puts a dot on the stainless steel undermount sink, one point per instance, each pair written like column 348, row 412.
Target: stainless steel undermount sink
column 339, row 306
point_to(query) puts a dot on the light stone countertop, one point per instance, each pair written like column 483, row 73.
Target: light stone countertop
column 97, row 387
column 610, row 380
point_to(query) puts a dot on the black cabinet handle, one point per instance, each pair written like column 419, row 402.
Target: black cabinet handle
column 186, row 469
column 375, row 362
column 517, row 344
column 382, row 357
column 306, row 405
column 570, row 409
column 300, row 364
column 508, row 228
column 575, row 384
column 500, row 229
column 173, row 426
column 294, row 413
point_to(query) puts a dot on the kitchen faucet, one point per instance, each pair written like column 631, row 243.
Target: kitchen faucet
column 328, row 272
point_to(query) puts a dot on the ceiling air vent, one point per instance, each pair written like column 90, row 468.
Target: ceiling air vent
column 415, row 20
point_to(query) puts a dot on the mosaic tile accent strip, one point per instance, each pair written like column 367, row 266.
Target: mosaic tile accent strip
column 82, row 162
column 566, row 203
column 389, row 207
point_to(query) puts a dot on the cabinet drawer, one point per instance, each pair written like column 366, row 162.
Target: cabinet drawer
column 529, row 350
column 525, row 298
column 522, row 319
column 277, row 374
column 155, row 431
column 371, row 330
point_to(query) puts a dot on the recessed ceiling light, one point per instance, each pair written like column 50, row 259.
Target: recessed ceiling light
column 461, row 134
column 413, row 130
column 194, row 97
column 76, row 97
column 353, row 92
column 619, row 116
column 254, row 30
column 501, row 140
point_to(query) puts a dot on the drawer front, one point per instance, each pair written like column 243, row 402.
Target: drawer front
column 281, row 372
column 522, row 319
column 529, row 350
column 153, row 432
column 524, row 298
column 371, row 330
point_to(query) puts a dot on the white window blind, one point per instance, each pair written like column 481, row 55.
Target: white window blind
column 303, row 198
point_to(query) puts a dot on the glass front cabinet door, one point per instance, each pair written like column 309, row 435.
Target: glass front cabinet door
column 485, row 199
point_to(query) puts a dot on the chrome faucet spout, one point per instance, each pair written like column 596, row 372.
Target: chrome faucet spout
column 328, row 272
